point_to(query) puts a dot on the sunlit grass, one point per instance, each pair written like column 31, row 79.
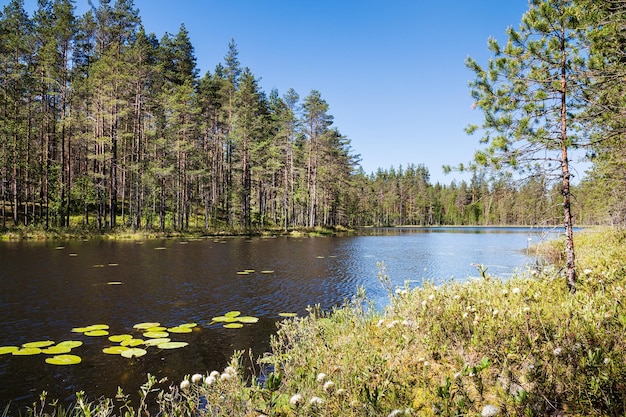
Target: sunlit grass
column 524, row 346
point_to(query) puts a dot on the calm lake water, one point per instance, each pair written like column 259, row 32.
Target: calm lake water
column 46, row 289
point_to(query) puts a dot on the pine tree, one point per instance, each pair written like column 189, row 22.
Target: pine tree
column 530, row 95
column 316, row 123
column 16, row 81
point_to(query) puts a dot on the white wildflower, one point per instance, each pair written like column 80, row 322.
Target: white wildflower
column 380, row 323
column 225, row 377
column 587, row 271
column 557, row 351
column 321, row 377
column 490, row 411
column 393, row 324
column 230, row 370
column 329, row 386
column 465, row 315
column 214, row 374
column 495, row 312
column 341, row 392
column 315, row 401
column 295, row 400
column 457, row 297
column 515, row 290
column 431, row 297
column 505, row 292
column 424, row 304
column 184, row 384
column 396, row 413
column 196, row 378
column 526, row 309
column 210, row 380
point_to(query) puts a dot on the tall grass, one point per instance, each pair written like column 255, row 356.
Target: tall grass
column 524, row 346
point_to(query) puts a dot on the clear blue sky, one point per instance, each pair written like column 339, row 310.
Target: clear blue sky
column 391, row 71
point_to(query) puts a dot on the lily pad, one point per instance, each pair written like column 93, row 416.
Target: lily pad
column 56, row 350
column 267, row 271
column 80, row 329
column 144, row 326
column 96, row 333
column 132, row 342
column 160, row 248
column 90, row 328
column 114, row 350
column 64, row 360
column 242, row 273
column 98, row 327
column 41, row 344
column 8, row 349
column 117, row 338
column 233, row 314
column 233, row 326
column 172, row 345
column 250, row 271
column 155, row 335
column 180, row 329
column 156, row 342
column 133, row 352
column 287, row 314
column 114, row 283
column 224, row 319
column 248, row 319
column 190, row 325
column 70, row 343
column 25, row 351
column 157, row 329
column 111, row 264
column 219, row 319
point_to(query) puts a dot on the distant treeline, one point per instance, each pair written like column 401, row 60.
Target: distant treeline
column 102, row 125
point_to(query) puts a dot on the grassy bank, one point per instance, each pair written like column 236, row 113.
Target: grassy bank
column 487, row 347
column 122, row 233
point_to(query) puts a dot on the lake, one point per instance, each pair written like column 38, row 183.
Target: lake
column 49, row 288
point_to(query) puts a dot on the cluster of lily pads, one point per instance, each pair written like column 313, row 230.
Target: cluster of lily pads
column 234, row 320
column 153, row 335
column 59, row 350
column 252, row 271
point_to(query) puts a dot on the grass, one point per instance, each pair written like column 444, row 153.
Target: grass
column 127, row 233
column 518, row 347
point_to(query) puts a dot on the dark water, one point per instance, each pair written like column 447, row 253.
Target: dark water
column 46, row 289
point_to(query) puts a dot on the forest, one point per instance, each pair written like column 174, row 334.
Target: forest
column 103, row 125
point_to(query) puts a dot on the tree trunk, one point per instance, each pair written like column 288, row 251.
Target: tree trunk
column 567, row 207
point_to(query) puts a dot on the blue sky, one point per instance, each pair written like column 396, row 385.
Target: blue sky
column 391, row 71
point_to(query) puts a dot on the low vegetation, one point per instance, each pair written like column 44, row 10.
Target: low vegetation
column 524, row 346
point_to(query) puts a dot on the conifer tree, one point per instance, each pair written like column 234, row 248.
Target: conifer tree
column 530, row 95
